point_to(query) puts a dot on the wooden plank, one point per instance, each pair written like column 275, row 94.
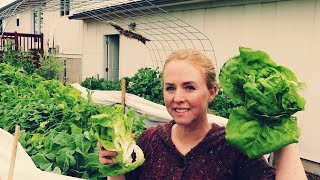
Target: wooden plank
column 14, row 152
column 123, row 97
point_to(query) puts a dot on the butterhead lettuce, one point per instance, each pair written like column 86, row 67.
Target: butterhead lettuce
column 113, row 129
column 267, row 95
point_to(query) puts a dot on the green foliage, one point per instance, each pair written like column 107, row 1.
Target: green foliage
column 222, row 105
column 139, row 126
column 51, row 67
column 74, row 154
column 114, row 129
column 246, row 132
column 54, row 122
column 20, row 59
column 101, row 84
column 267, row 95
column 147, row 83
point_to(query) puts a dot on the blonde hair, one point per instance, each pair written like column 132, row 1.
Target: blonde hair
column 198, row 59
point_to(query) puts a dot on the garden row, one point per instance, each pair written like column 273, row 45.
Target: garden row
column 54, row 118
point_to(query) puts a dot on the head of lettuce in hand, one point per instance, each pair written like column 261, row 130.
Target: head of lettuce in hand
column 114, row 130
column 267, row 95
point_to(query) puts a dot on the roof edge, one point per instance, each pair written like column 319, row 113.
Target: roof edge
column 130, row 5
column 10, row 4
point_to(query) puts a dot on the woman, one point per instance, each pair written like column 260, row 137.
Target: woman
column 189, row 147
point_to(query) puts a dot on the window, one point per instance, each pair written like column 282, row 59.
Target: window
column 61, row 7
column 64, row 7
column 67, row 5
column 18, row 22
column 37, row 22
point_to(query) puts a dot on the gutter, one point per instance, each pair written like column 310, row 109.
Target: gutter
column 141, row 4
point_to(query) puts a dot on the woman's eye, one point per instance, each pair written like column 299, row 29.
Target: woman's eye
column 190, row 88
column 170, row 88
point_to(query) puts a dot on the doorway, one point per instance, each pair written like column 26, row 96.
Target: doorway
column 112, row 57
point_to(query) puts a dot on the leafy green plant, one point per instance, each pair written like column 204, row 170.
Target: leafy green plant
column 51, row 67
column 101, row 84
column 54, row 122
column 74, row 154
column 20, row 59
column 114, row 129
column 267, row 97
column 147, row 83
column 222, row 105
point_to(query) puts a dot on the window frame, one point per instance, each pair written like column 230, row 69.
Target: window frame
column 64, row 7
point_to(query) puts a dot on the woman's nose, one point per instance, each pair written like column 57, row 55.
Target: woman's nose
column 179, row 96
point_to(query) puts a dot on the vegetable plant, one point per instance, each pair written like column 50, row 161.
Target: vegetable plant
column 55, row 130
column 20, row 59
column 113, row 130
column 146, row 83
column 267, row 96
column 51, row 67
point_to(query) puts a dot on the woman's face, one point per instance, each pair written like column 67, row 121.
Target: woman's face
column 186, row 95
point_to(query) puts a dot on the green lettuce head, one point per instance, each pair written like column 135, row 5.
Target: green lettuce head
column 267, row 95
column 114, row 130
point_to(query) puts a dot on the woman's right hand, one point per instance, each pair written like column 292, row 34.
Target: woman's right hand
column 105, row 158
column 105, row 155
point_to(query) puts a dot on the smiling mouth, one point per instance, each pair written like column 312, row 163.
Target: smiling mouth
column 181, row 110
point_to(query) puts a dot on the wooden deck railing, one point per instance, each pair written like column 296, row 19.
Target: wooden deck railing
column 32, row 43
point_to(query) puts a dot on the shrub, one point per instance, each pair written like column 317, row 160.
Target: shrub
column 19, row 59
column 101, row 84
column 51, row 67
column 221, row 105
column 147, row 83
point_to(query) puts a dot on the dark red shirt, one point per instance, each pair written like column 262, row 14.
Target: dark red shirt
column 213, row 158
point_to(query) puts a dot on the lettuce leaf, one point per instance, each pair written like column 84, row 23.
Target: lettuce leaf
column 255, row 138
column 268, row 96
column 113, row 129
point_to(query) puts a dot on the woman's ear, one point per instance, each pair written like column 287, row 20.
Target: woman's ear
column 213, row 92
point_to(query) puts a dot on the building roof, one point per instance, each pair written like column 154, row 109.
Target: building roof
column 9, row 5
column 128, row 6
column 19, row 6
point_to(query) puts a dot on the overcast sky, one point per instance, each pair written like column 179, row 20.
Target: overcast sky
column 5, row 2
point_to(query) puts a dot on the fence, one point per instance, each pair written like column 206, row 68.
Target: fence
column 32, row 43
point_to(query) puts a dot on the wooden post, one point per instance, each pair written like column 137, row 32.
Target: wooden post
column 123, row 89
column 16, row 45
column 41, row 44
column 14, row 152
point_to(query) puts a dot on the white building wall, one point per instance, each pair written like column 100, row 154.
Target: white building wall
column 25, row 23
column 93, row 63
column 63, row 34
column 132, row 56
